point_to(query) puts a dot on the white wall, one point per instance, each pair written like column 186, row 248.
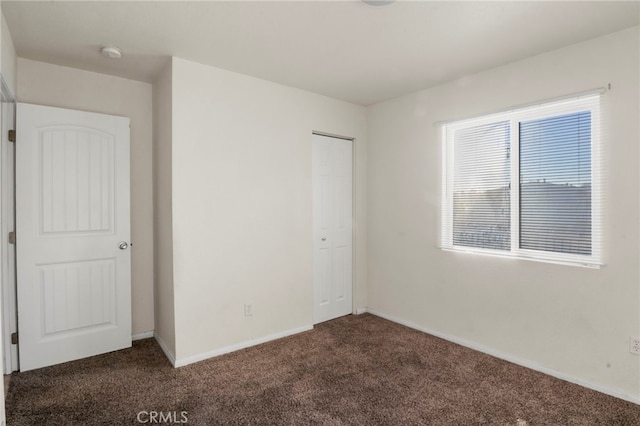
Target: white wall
column 53, row 85
column 242, row 205
column 162, row 212
column 569, row 320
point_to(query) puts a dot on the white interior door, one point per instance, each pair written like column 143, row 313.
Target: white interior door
column 73, row 234
column 332, row 227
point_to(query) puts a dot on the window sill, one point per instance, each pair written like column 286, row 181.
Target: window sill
column 583, row 263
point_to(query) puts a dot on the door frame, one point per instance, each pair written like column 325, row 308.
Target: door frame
column 7, row 212
column 354, row 309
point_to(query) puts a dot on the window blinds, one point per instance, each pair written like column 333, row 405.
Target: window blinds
column 526, row 182
column 555, row 183
column 481, row 194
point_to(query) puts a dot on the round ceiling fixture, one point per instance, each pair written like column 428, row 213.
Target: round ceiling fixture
column 378, row 2
column 111, row 52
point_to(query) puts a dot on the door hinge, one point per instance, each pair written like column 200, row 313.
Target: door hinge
column 12, row 136
column 12, row 237
column 14, row 338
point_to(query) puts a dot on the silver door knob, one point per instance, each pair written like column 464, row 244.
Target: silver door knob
column 324, row 238
column 123, row 245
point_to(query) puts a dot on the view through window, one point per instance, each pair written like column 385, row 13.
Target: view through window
column 521, row 183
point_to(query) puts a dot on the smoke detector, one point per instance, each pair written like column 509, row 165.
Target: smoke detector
column 111, row 52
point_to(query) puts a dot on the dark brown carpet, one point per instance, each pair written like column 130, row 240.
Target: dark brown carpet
column 356, row 370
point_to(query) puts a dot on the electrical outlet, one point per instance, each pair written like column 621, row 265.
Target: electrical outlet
column 248, row 310
column 634, row 345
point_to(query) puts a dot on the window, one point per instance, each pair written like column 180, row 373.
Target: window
column 525, row 183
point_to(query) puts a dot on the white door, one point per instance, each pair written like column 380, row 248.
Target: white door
column 332, row 227
column 73, row 234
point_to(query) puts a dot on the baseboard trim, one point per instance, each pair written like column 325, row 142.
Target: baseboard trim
column 144, row 335
column 181, row 362
column 507, row 357
column 165, row 349
column 360, row 311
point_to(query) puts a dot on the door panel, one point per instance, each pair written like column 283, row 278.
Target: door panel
column 332, row 227
column 72, row 205
column 77, row 296
column 76, row 193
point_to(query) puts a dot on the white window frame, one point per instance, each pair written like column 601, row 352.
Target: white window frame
column 589, row 103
